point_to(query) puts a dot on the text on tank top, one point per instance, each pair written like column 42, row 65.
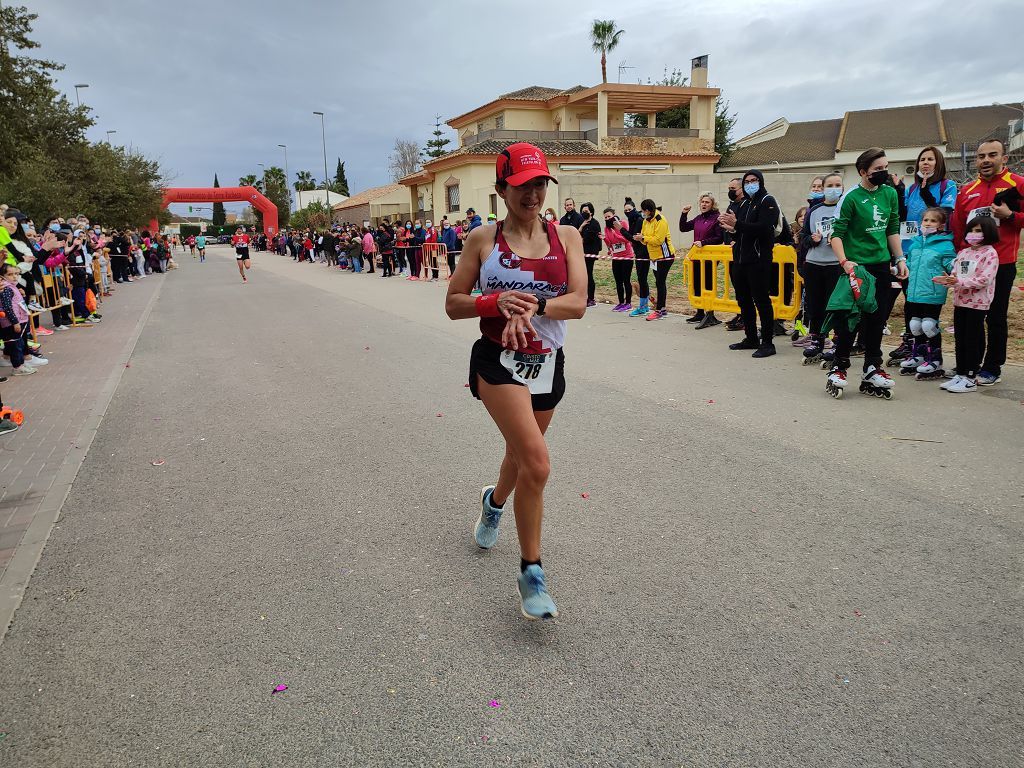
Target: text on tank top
column 547, row 277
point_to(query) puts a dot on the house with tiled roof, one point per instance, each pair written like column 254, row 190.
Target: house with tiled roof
column 583, row 131
column 818, row 146
column 387, row 202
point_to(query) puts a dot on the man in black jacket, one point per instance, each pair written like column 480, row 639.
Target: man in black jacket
column 754, row 241
column 735, row 201
column 572, row 218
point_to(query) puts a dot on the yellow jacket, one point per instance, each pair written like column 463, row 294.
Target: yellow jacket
column 657, row 238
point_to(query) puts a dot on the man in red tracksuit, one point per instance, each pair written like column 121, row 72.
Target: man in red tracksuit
column 978, row 198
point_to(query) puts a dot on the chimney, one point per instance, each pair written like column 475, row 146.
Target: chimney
column 699, row 72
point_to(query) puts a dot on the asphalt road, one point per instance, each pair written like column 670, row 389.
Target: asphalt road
column 761, row 575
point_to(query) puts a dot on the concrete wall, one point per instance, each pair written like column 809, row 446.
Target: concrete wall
column 304, row 198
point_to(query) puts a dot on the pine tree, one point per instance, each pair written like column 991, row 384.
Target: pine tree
column 436, row 146
column 219, row 215
column 340, row 183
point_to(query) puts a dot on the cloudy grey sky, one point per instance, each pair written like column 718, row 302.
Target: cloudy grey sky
column 215, row 86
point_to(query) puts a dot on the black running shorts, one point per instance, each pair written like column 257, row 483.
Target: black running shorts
column 484, row 362
column 241, row 253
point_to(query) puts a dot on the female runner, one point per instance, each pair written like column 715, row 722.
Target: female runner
column 533, row 279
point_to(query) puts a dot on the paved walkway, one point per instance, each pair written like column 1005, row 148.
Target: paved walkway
column 759, row 575
column 63, row 404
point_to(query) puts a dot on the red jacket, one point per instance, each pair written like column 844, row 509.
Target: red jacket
column 979, row 194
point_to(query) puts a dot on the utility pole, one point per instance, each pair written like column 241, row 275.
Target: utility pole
column 287, row 177
column 327, row 185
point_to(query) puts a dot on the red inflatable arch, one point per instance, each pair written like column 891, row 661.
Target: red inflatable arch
column 249, row 195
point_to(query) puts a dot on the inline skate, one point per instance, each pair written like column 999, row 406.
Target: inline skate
column 814, row 350
column 931, row 368
column 902, row 352
column 877, row 382
column 908, row 365
column 835, row 383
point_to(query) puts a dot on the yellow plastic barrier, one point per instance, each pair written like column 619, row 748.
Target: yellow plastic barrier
column 710, row 264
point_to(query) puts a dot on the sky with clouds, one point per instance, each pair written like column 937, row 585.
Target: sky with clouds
column 215, row 86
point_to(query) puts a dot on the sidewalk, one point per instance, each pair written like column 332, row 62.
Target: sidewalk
column 63, row 404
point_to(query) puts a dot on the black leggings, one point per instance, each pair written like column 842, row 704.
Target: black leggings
column 591, row 285
column 386, row 264
column 870, row 325
column 622, row 270
column 970, row 339
column 661, row 268
column 643, row 266
column 400, row 258
column 819, row 282
column 451, row 262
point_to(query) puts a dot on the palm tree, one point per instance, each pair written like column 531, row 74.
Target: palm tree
column 250, row 181
column 604, row 37
column 304, row 181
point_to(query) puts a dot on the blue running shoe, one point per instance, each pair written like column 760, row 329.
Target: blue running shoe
column 986, row 379
column 534, row 600
column 486, row 532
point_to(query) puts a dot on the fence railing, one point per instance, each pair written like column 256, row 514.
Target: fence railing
column 656, row 133
column 512, row 135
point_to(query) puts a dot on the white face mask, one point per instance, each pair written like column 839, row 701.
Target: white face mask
column 549, row 217
column 927, row 229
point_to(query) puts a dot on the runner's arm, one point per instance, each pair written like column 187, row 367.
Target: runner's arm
column 459, row 304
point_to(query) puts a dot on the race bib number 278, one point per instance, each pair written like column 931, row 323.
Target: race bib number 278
column 536, row 371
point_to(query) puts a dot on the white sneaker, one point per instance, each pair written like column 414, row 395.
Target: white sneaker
column 958, row 385
column 35, row 306
column 36, row 360
column 65, row 301
column 60, row 327
column 24, row 370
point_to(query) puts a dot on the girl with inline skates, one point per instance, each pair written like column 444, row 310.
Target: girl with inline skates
column 973, row 280
column 819, row 266
column 931, row 254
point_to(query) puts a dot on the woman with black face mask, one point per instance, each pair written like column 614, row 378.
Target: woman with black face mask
column 591, row 232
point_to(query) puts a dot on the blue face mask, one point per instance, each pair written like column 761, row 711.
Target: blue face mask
column 55, row 227
column 815, row 196
column 751, row 189
column 832, row 194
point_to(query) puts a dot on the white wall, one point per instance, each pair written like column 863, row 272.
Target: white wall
column 302, row 199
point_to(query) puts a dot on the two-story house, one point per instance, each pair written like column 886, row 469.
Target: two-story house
column 581, row 130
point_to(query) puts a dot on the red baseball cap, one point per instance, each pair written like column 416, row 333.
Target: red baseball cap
column 519, row 163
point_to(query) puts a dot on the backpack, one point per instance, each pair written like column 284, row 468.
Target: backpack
column 783, row 232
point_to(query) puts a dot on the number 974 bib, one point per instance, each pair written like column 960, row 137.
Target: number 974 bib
column 536, row 371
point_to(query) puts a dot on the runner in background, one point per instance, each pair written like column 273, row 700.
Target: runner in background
column 533, row 279
column 241, row 242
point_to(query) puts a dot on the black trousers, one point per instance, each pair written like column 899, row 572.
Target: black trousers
column 819, row 282
column 871, row 326
column 591, row 285
column 995, row 355
column 661, row 268
column 752, row 283
column 970, row 339
column 119, row 266
column 622, row 270
column 643, row 267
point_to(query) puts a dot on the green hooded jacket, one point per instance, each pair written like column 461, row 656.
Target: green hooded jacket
column 842, row 303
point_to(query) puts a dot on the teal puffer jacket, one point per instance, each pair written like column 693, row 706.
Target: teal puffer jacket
column 928, row 257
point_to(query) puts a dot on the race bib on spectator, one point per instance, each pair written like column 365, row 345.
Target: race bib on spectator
column 908, row 230
column 983, row 211
column 824, row 228
column 617, row 248
column 536, row 371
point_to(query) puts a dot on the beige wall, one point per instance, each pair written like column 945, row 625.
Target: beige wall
column 528, row 120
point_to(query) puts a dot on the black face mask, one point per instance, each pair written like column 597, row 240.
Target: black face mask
column 878, row 178
column 609, row 223
column 732, row 195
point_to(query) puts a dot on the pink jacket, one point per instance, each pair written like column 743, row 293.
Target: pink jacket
column 367, row 243
column 975, row 270
column 619, row 246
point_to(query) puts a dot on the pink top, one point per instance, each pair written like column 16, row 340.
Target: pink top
column 975, row 270
column 367, row 243
column 619, row 246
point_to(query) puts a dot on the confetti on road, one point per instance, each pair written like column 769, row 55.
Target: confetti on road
column 857, row 613
column 440, row 415
column 494, row 703
column 159, row 463
column 346, row 571
column 711, row 402
column 585, row 495
column 279, row 689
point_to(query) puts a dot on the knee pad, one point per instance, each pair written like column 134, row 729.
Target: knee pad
column 915, row 326
column 930, row 326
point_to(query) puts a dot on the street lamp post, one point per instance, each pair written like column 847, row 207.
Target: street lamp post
column 261, row 165
column 287, row 178
column 108, row 134
column 327, row 187
column 77, row 87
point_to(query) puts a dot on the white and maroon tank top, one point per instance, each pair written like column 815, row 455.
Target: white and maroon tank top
column 548, row 277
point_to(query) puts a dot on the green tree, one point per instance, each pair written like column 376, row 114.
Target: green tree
column 436, row 147
column 304, row 181
column 47, row 167
column 315, row 215
column 679, row 117
column 273, row 184
column 603, row 39
column 219, row 214
column 340, row 183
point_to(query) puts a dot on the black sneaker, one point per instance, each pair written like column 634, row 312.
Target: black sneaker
column 745, row 344
column 857, row 351
column 697, row 318
column 708, row 321
column 766, row 351
column 780, row 328
column 736, row 324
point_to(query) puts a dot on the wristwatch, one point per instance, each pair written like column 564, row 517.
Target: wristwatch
column 542, row 305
